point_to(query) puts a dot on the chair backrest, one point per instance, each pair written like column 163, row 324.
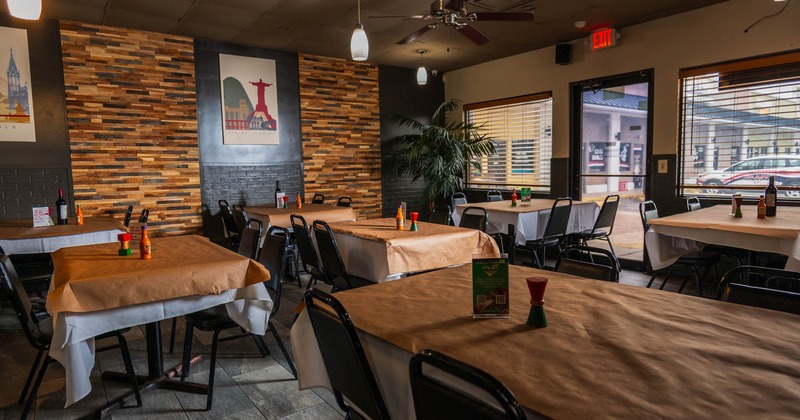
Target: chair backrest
column 330, row 257
column 343, row 355
column 436, row 399
column 762, row 287
column 647, row 211
column 251, row 239
column 344, row 201
column 318, row 199
column 273, row 257
column 240, row 217
column 128, row 214
column 589, row 262
column 607, row 215
column 494, row 195
column 441, row 214
column 19, row 299
column 305, row 246
column 474, row 218
column 558, row 221
column 144, row 216
column 227, row 219
column 693, row 203
column 458, row 198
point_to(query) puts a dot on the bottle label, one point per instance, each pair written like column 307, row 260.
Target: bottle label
column 400, row 223
column 762, row 212
column 147, row 251
column 62, row 209
column 770, row 199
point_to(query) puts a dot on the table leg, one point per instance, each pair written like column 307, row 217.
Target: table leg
column 156, row 376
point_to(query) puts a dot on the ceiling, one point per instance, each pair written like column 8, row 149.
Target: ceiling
column 324, row 27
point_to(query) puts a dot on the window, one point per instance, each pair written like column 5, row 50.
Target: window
column 740, row 124
column 522, row 131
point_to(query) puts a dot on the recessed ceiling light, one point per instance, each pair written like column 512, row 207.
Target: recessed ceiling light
column 580, row 24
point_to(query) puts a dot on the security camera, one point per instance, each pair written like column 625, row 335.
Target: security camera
column 434, row 73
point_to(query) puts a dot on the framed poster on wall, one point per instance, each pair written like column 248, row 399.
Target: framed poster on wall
column 249, row 94
column 16, row 97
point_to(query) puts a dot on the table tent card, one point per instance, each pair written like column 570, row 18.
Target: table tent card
column 490, row 287
column 41, row 217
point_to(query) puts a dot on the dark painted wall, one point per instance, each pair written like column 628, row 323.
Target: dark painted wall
column 245, row 174
column 32, row 172
column 400, row 94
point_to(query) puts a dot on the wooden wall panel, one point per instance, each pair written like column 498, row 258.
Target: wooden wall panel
column 339, row 109
column 131, row 114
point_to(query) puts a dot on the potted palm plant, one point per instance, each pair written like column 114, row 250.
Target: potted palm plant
column 440, row 152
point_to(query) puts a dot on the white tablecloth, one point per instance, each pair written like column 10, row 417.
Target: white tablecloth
column 73, row 340
column 530, row 225
column 54, row 243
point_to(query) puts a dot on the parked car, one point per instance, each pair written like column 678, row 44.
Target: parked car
column 755, row 172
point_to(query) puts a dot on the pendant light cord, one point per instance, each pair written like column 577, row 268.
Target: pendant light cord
column 768, row 16
column 359, row 11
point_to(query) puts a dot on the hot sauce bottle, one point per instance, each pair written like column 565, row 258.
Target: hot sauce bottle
column 145, row 249
column 400, row 219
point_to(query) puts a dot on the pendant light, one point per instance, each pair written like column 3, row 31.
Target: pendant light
column 359, row 46
column 422, row 72
column 25, row 9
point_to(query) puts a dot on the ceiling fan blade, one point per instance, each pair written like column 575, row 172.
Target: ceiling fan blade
column 414, row 35
column 507, row 16
column 404, row 17
column 473, row 34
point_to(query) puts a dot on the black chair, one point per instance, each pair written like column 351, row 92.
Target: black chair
column 331, row 259
column 603, row 225
column 494, row 195
column 240, row 217
column 687, row 264
column 435, row 399
column 762, row 287
column 589, row 262
column 39, row 332
column 128, row 214
column 555, row 232
column 344, row 201
column 318, row 199
column 344, row 358
column 457, row 198
column 507, row 242
column 229, row 225
column 305, row 247
column 216, row 319
column 693, row 203
column 441, row 215
column 474, row 218
column 34, row 272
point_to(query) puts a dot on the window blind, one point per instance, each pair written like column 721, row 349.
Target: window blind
column 522, row 131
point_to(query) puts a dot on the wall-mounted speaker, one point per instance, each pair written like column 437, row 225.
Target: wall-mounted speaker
column 563, row 54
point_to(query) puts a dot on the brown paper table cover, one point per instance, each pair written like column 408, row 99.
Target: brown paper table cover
column 537, row 204
column 432, row 246
column 273, row 216
column 94, row 277
column 785, row 225
column 609, row 350
column 23, row 229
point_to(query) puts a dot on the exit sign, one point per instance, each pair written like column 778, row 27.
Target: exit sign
column 603, row 38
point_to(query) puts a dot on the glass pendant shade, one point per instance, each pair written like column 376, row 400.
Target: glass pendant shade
column 25, row 9
column 422, row 76
column 359, row 46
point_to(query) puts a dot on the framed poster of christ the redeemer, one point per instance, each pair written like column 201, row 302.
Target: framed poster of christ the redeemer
column 249, row 100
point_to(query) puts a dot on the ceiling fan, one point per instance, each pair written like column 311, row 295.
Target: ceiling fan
column 454, row 14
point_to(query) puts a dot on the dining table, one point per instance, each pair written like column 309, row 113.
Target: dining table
column 96, row 290
column 374, row 249
column 280, row 216
column 609, row 350
column 20, row 237
column 530, row 217
column 671, row 237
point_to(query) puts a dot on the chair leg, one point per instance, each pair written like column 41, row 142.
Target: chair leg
column 283, row 349
column 187, row 350
column 212, row 368
column 535, row 263
column 262, row 347
column 32, row 373
column 172, row 335
column 653, row 277
column 35, row 389
column 126, row 358
column 296, row 259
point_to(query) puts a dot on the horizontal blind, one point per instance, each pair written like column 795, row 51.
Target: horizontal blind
column 740, row 126
column 522, row 132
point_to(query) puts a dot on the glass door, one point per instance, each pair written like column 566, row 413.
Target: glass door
column 611, row 141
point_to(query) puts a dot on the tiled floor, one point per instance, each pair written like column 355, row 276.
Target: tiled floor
column 247, row 386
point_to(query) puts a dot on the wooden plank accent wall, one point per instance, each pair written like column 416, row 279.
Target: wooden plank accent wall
column 339, row 110
column 131, row 112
